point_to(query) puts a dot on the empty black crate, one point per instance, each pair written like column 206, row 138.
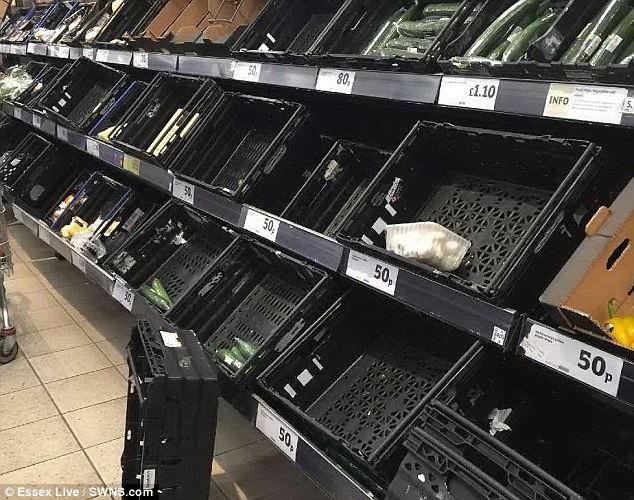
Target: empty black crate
column 177, row 246
column 256, row 295
column 171, row 415
column 39, row 86
column 505, row 193
column 83, row 93
column 165, row 115
column 363, row 371
column 48, row 176
column 123, row 20
column 98, row 200
column 561, row 442
column 16, row 163
column 12, row 132
column 240, row 144
column 335, row 186
column 286, row 26
column 113, row 115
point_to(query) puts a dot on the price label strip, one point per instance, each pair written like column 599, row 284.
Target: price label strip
column 247, row 72
column 474, row 93
column 183, row 191
column 79, row 262
column 140, row 60
column 102, row 55
column 88, row 53
column 279, row 432
column 62, row 133
column 335, row 80
column 372, row 272
column 590, row 103
column 44, row 233
column 583, row 362
column 131, row 164
column 261, row 224
column 19, row 215
column 122, row 294
column 92, row 147
column 17, row 113
column 37, row 121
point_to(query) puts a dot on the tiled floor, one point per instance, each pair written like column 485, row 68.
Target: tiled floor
column 63, row 398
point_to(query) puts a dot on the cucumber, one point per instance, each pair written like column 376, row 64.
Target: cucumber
column 407, row 42
column 491, row 36
column 226, row 357
column 514, row 32
column 575, row 47
column 408, row 54
column 247, row 348
column 388, row 31
column 616, row 41
column 157, row 286
column 154, row 298
column 608, row 19
column 628, row 54
column 533, row 31
column 418, row 29
column 440, row 9
column 237, row 354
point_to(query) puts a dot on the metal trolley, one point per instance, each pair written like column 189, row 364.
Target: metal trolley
column 8, row 339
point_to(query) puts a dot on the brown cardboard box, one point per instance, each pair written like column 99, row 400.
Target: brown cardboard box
column 600, row 270
column 165, row 18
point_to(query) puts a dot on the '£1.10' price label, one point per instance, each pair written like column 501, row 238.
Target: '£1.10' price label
column 475, row 93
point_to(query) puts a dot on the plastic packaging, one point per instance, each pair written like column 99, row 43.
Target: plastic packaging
column 15, row 81
column 428, row 242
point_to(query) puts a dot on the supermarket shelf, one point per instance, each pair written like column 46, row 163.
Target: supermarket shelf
column 607, row 373
column 479, row 318
column 305, row 455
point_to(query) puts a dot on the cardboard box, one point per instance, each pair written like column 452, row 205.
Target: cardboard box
column 600, row 270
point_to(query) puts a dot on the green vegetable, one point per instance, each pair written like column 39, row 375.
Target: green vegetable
column 409, row 54
column 418, row 29
column 533, row 31
column 622, row 36
column 607, row 21
column 237, row 354
column 490, row 36
column 513, row 33
column 575, row 47
column 441, row 9
column 247, row 348
column 154, row 298
column 157, row 286
column 388, row 31
column 628, row 54
column 406, row 42
column 226, row 356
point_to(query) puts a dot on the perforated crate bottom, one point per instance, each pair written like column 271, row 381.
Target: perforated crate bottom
column 493, row 215
column 309, row 33
column 386, row 383
column 264, row 309
column 88, row 104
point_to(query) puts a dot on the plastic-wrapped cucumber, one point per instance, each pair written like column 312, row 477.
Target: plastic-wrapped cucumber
column 516, row 31
column 627, row 55
column 226, row 356
column 496, row 30
column 408, row 54
column 616, row 41
column 246, row 348
column 419, row 29
column 158, row 287
column 388, row 30
column 154, row 297
column 407, row 42
column 441, row 9
column 608, row 19
column 576, row 45
column 533, row 31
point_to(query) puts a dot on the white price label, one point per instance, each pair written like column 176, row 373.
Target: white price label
column 92, row 147
column 79, row 262
column 102, row 55
column 335, row 80
column 4, row 48
column 262, row 224
column 171, row 339
column 247, row 71
column 88, row 53
column 44, row 233
column 475, row 93
column 278, row 431
column 17, row 112
column 149, row 479
column 123, row 295
column 372, row 272
column 586, row 103
column 62, row 133
column 63, row 52
column 576, row 359
column 140, row 60
column 37, row 121
column 30, row 48
column 183, row 191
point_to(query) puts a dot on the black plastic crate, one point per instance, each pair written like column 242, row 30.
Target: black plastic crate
column 45, row 31
column 508, row 194
column 22, row 29
column 240, row 144
column 17, row 21
column 258, row 295
column 39, row 86
column 289, row 27
column 164, row 116
column 178, row 245
column 123, row 21
column 15, row 164
column 561, row 443
column 83, row 93
column 99, row 199
column 361, row 374
column 74, row 188
column 48, row 176
column 113, row 115
column 335, row 186
column 12, row 132
column 80, row 16
column 171, row 415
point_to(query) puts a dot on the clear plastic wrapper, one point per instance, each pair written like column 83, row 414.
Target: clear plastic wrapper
column 14, row 81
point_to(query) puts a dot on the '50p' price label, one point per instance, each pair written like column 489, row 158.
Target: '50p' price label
column 372, row 272
column 183, row 191
column 279, row 432
column 247, row 72
column 475, row 93
column 122, row 294
column 262, row 224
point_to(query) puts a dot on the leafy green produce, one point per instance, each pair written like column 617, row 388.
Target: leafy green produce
column 491, row 36
column 616, row 41
column 533, row 31
column 607, row 21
